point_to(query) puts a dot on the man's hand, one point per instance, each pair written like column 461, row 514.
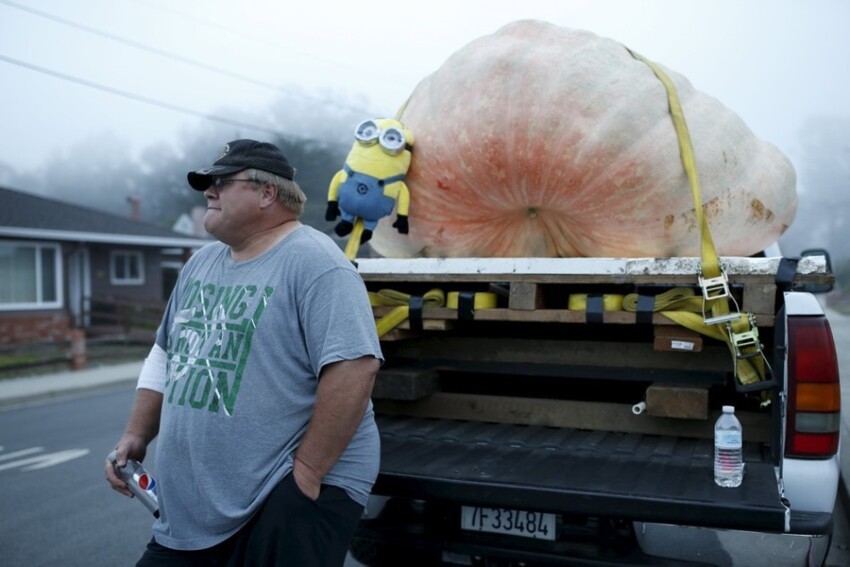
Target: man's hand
column 128, row 447
column 341, row 401
column 142, row 427
column 306, row 479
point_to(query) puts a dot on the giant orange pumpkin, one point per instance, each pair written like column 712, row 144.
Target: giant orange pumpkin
column 540, row 140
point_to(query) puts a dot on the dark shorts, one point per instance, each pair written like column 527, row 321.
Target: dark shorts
column 289, row 529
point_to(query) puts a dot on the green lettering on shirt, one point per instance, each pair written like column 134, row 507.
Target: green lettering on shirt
column 209, row 344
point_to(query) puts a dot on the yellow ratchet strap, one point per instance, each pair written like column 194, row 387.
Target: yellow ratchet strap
column 739, row 336
column 353, row 243
column 481, row 300
column 610, row 302
column 676, row 299
column 736, row 329
column 433, row 298
column 710, row 261
column 385, row 297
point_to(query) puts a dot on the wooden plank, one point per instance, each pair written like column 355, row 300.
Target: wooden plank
column 402, row 332
column 625, row 355
column 568, row 316
column 526, row 296
column 759, row 298
column 595, row 416
column 551, row 316
column 405, row 383
column 676, row 338
column 398, row 335
column 429, row 325
column 575, row 269
column 680, row 402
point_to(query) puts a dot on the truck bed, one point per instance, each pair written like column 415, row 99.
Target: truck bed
column 622, row 475
column 527, row 404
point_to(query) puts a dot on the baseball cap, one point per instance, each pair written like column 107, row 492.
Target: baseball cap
column 239, row 155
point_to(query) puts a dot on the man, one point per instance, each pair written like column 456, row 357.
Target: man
column 258, row 383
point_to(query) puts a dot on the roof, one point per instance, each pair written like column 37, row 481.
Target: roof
column 25, row 215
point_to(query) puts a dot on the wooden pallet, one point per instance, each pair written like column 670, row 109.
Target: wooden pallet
column 533, row 293
column 537, row 289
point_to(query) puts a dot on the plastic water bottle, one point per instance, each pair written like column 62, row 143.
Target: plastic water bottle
column 728, row 458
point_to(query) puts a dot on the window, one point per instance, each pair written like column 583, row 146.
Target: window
column 30, row 276
column 126, row 268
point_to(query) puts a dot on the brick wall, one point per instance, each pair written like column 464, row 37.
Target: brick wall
column 33, row 327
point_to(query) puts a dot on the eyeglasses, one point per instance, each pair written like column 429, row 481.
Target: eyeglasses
column 218, row 183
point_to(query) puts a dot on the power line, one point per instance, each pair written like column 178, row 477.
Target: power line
column 260, row 39
column 238, row 33
column 139, row 98
column 177, row 57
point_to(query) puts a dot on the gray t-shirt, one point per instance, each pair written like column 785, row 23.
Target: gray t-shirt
column 245, row 343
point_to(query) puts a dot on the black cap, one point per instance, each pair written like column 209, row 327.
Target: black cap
column 239, row 155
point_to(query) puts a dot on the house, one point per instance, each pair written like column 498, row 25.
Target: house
column 58, row 259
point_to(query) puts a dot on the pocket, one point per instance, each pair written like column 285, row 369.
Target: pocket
column 290, row 478
column 337, row 497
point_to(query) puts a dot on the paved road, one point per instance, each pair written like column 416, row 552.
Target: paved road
column 51, row 474
column 55, row 506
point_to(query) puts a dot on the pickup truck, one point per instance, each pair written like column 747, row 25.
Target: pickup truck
column 543, row 411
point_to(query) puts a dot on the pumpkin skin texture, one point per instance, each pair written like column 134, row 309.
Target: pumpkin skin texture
column 544, row 141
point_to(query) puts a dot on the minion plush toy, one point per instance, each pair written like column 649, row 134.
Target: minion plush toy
column 371, row 181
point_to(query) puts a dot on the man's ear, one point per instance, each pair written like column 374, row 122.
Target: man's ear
column 268, row 195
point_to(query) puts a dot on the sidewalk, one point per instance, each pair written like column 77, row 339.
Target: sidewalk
column 20, row 391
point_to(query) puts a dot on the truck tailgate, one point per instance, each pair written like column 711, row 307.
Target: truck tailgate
column 569, row 471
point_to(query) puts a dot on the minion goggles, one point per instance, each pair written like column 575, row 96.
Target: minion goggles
column 391, row 140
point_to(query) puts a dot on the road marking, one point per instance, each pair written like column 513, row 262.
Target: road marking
column 21, row 453
column 46, row 460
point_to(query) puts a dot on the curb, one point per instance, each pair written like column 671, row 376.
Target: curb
column 13, row 402
column 15, row 392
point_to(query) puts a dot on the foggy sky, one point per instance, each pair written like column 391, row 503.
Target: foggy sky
column 773, row 62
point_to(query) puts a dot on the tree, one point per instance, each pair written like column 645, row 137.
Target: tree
column 101, row 173
column 98, row 173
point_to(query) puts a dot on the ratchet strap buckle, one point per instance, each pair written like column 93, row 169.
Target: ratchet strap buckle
column 714, row 288
column 746, row 343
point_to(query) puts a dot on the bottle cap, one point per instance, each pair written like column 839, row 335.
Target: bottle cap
column 728, row 409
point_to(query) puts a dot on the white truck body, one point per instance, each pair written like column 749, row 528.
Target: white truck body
column 478, row 410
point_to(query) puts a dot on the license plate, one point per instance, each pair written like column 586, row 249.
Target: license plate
column 512, row 522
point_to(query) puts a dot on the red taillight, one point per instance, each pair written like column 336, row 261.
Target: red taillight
column 814, row 392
